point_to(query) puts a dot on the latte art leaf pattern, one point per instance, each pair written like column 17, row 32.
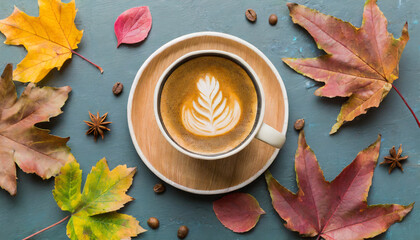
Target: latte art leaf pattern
column 212, row 114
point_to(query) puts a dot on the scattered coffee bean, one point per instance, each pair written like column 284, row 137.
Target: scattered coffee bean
column 182, row 232
column 251, row 15
column 272, row 19
column 153, row 222
column 117, row 88
column 159, row 188
column 299, row 124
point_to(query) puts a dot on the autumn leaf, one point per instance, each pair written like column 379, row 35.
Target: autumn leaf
column 133, row 25
column 93, row 211
column 33, row 149
column 238, row 212
column 49, row 38
column 334, row 210
column 361, row 63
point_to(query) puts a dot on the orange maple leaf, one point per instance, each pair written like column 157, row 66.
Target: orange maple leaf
column 49, row 38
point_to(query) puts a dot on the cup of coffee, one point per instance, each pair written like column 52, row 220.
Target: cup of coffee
column 210, row 104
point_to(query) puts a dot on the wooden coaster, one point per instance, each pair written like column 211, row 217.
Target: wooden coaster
column 179, row 170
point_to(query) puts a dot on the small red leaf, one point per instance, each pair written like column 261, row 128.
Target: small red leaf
column 239, row 212
column 133, row 25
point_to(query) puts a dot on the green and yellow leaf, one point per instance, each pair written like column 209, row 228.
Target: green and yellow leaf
column 93, row 213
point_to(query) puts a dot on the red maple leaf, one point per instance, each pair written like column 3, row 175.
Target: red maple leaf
column 336, row 210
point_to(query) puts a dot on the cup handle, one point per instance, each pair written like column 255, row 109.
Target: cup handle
column 271, row 136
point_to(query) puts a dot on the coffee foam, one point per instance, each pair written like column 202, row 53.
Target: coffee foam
column 212, row 114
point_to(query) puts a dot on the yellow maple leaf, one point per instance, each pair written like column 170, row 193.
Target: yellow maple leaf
column 49, row 38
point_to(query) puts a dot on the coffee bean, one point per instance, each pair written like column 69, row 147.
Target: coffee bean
column 117, row 88
column 251, row 15
column 299, row 124
column 153, row 222
column 272, row 19
column 182, row 232
column 159, row 188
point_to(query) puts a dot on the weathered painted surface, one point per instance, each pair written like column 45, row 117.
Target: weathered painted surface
column 34, row 208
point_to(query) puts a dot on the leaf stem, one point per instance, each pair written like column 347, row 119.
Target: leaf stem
column 87, row 60
column 319, row 236
column 409, row 108
column 40, row 231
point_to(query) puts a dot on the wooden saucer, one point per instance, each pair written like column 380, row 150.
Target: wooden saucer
column 194, row 175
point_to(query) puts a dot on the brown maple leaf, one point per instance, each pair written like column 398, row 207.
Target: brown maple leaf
column 361, row 63
column 335, row 210
column 33, row 149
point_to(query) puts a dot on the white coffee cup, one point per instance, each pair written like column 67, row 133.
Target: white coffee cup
column 260, row 131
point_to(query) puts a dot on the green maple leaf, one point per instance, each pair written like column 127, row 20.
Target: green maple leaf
column 93, row 212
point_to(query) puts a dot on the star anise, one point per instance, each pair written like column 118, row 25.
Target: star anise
column 395, row 159
column 97, row 125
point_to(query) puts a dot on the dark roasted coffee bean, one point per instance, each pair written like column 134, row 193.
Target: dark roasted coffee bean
column 159, row 188
column 251, row 15
column 117, row 88
column 299, row 124
column 182, row 232
column 153, row 222
column 272, row 19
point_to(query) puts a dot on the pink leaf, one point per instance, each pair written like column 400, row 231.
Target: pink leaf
column 239, row 212
column 133, row 25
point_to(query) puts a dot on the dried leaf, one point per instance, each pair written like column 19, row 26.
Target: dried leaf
column 33, row 149
column 93, row 211
column 49, row 38
column 361, row 63
column 239, row 212
column 133, row 25
column 334, row 210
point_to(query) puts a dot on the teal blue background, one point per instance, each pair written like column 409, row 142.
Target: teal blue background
column 34, row 208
